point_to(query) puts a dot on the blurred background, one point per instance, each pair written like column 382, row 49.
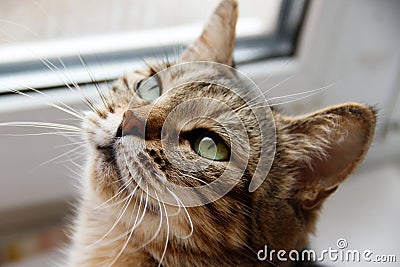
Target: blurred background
column 307, row 54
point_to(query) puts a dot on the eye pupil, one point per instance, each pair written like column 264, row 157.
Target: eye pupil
column 211, row 146
column 154, row 87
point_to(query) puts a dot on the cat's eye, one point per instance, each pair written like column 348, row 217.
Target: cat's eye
column 149, row 89
column 211, row 147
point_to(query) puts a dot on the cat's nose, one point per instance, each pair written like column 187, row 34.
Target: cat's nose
column 131, row 125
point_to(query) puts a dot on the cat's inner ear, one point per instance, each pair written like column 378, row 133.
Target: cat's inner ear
column 326, row 147
column 216, row 43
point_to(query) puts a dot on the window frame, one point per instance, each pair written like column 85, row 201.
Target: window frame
column 56, row 72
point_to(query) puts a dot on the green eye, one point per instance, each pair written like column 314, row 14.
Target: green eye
column 211, row 147
column 149, row 89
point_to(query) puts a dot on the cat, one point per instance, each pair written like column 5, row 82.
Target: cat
column 127, row 215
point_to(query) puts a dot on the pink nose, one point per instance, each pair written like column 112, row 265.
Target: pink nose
column 132, row 125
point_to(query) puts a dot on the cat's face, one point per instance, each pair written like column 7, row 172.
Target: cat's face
column 183, row 125
column 186, row 134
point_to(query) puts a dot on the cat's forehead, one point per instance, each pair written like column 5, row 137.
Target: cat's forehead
column 201, row 79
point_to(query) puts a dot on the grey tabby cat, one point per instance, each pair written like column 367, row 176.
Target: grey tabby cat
column 151, row 141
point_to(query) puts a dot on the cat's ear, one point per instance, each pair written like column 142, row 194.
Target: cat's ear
column 217, row 40
column 326, row 147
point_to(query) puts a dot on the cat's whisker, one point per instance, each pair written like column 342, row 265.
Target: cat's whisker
column 109, row 87
column 120, row 215
column 124, row 234
column 54, row 68
column 69, row 119
column 89, row 102
column 307, row 93
column 63, row 134
column 67, row 80
column 14, row 40
column 75, row 139
column 71, row 144
column 76, row 173
column 45, row 125
column 131, row 180
column 282, row 67
column 303, row 93
column 98, row 89
column 81, row 167
column 45, row 61
column 264, row 104
column 144, row 208
column 60, row 129
column 297, row 99
column 128, row 238
column 167, row 233
column 120, row 191
column 187, row 214
column 68, row 110
column 60, row 156
column 177, row 211
column 248, row 103
column 78, row 155
column 271, row 88
column 157, row 232
column 193, row 177
column 22, row 26
column 279, row 84
column 136, row 224
column 65, row 106
column 120, row 180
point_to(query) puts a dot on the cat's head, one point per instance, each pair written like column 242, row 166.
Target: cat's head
column 181, row 125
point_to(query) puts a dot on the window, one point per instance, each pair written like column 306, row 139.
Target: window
column 41, row 41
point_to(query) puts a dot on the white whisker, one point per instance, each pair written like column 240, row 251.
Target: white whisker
column 187, row 214
column 157, row 232
column 63, row 134
column 317, row 91
column 128, row 238
column 59, row 156
column 167, row 234
column 68, row 110
column 282, row 67
column 46, row 125
column 92, row 78
column 121, row 214
column 122, row 189
column 71, row 144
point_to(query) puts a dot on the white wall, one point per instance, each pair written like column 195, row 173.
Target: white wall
column 355, row 45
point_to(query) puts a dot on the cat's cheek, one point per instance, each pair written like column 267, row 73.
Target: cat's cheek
column 102, row 176
column 101, row 132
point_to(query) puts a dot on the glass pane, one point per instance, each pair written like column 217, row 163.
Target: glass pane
column 104, row 25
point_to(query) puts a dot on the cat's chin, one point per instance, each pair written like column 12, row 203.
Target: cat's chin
column 117, row 187
column 130, row 172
